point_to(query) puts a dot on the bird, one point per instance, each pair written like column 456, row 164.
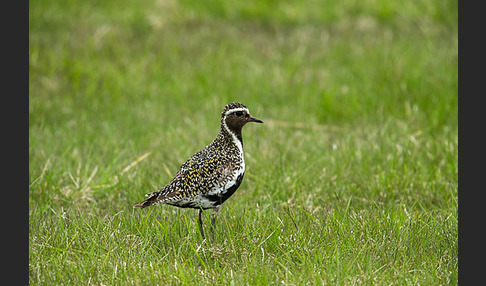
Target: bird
column 212, row 175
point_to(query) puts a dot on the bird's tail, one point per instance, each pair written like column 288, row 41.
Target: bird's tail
column 153, row 199
column 160, row 196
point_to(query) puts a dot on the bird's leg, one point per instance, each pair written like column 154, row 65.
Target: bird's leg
column 200, row 224
column 213, row 220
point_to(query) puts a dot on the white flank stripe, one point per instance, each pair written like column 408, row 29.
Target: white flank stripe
column 238, row 144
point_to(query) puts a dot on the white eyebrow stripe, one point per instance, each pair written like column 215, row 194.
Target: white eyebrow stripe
column 236, row 109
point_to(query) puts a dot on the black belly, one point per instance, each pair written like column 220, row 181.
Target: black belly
column 216, row 199
column 222, row 197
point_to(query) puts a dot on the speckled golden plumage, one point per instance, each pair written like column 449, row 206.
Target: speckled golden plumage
column 212, row 175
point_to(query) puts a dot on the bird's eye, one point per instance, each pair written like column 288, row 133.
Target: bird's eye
column 239, row 113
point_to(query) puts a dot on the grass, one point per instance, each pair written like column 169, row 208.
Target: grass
column 352, row 179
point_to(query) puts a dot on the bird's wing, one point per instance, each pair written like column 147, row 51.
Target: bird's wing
column 202, row 173
column 199, row 174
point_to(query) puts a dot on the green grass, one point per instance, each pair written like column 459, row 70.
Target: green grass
column 352, row 179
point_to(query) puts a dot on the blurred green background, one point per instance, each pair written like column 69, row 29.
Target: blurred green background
column 111, row 82
column 359, row 100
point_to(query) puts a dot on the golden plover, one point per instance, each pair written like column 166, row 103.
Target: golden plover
column 209, row 177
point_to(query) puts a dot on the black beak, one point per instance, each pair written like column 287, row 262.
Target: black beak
column 253, row 119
